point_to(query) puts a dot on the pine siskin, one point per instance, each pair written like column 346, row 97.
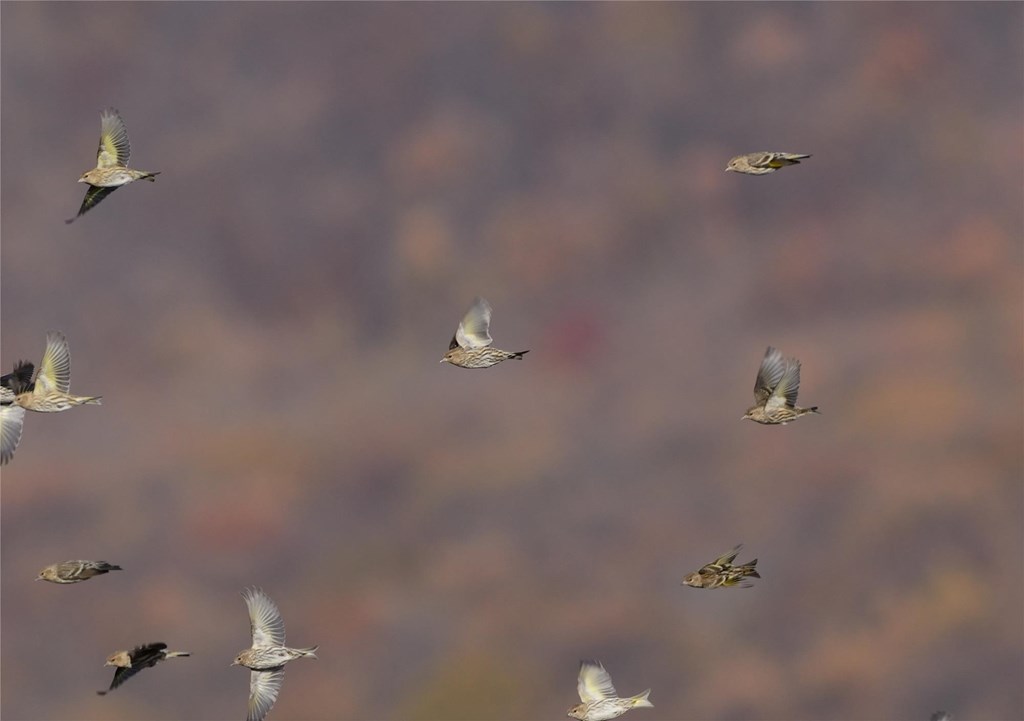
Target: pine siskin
column 600, row 700
column 763, row 163
column 12, row 422
column 111, row 171
column 470, row 346
column 75, row 571
column 48, row 393
column 129, row 663
column 775, row 390
column 268, row 655
column 721, row 572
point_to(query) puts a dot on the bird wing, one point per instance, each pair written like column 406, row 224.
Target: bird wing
column 93, row 196
column 114, row 148
column 474, row 329
column 265, row 620
column 12, row 421
column 55, row 370
column 594, row 683
column 727, row 558
column 784, row 394
column 142, row 657
column 768, row 375
column 20, row 379
column 263, row 689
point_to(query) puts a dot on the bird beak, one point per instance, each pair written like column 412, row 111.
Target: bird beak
column 728, row 169
column 442, row 360
column 80, row 180
column 38, row 578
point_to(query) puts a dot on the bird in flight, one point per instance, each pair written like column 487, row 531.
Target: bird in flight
column 129, row 663
column 111, row 171
column 722, row 572
column 763, row 163
column 75, row 571
column 471, row 345
column 599, row 701
column 775, row 391
column 48, row 390
column 268, row 654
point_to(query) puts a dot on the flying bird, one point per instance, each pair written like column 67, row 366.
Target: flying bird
column 12, row 422
column 129, row 663
column 599, row 699
column 775, row 390
column 763, row 163
column 268, row 654
column 722, row 572
column 48, row 392
column 111, row 171
column 471, row 344
column 75, row 571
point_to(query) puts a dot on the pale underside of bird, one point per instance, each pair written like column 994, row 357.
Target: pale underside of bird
column 129, row 663
column 268, row 654
column 764, row 162
column 722, row 572
column 470, row 347
column 45, row 391
column 775, row 391
column 111, row 171
column 599, row 701
column 75, row 571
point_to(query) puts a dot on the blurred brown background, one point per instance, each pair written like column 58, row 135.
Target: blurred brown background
column 265, row 324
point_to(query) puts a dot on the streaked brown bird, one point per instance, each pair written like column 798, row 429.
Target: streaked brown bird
column 763, row 163
column 471, row 344
column 268, row 654
column 111, row 171
column 599, row 701
column 48, row 392
column 75, row 571
column 722, row 572
column 775, row 391
column 12, row 422
column 129, row 663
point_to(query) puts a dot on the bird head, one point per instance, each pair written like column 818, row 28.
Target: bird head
column 47, row 574
column 579, row 711
column 693, row 579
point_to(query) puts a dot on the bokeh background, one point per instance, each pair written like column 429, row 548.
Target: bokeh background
column 339, row 180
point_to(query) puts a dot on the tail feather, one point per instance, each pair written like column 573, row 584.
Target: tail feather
column 311, row 651
column 519, row 355
column 640, row 700
column 151, row 177
column 172, row 654
column 93, row 401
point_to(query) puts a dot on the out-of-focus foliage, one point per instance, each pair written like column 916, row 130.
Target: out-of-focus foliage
column 339, row 180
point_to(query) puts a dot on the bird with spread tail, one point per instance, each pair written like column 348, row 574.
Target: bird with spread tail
column 111, row 171
column 722, row 572
column 599, row 701
column 48, row 391
column 268, row 654
column 775, row 391
column 471, row 345
column 75, row 571
column 129, row 663
column 763, row 163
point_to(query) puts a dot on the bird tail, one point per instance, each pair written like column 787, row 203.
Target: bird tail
column 172, row 654
column 795, row 157
column 311, row 651
column 92, row 400
column 749, row 569
column 151, row 177
column 640, row 700
column 519, row 355
column 105, row 567
column 813, row 409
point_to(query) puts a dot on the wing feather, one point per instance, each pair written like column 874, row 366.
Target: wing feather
column 594, row 682
column 55, row 369
column 114, row 148
column 768, row 375
column 265, row 620
column 263, row 689
column 474, row 329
